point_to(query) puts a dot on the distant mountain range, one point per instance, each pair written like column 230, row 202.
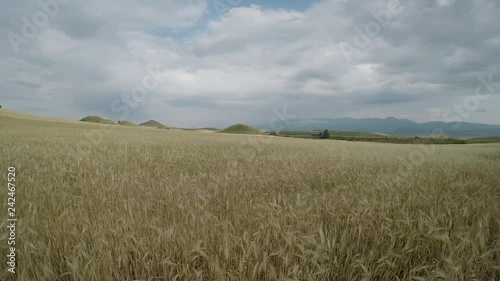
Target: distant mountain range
column 392, row 126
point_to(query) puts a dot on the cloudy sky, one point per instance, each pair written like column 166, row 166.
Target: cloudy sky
column 196, row 63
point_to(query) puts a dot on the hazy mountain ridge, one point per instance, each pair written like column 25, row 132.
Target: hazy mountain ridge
column 393, row 126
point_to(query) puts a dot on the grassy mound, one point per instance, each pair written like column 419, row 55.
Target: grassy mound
column 97, row 119
column 127, row 123
column 240, row 129
column 152, row 123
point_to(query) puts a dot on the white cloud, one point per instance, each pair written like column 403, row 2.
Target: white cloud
column 249, row 59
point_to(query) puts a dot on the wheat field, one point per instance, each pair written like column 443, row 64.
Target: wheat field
column 152, row 204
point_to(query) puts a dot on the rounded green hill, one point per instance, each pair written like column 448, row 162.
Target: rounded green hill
column 240, row 129
column 153, row 124
column 97, row 119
